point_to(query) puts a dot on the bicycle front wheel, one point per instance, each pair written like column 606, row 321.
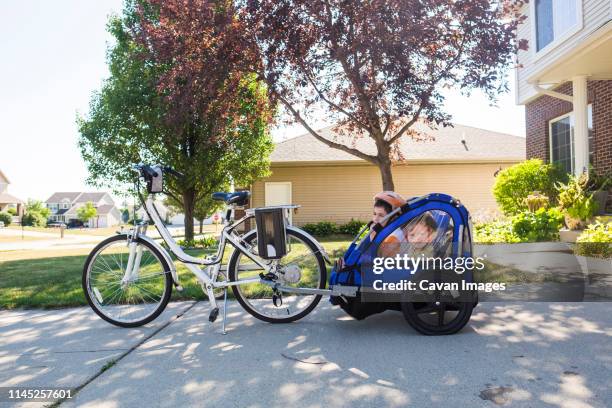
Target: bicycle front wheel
column 302, row 267
column 124, row 292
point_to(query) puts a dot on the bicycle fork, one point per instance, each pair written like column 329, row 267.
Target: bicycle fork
column 133, row 264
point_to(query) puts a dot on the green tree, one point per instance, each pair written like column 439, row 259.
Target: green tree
column 87, row 212
column 205, row 209
column 36, row 214
column 131, row 120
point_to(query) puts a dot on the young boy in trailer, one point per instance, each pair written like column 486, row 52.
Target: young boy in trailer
column 384, row 203
column 419, row 234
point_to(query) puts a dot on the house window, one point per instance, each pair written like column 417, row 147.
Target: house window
column 562, row 140
column 554, row 19
column 562, row 144
column 53, row 206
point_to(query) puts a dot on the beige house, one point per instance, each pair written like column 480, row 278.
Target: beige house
column 333, row 185
column 6, row 200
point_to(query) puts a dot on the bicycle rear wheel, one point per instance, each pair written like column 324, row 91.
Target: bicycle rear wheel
column 126, row 302
column 303, row 267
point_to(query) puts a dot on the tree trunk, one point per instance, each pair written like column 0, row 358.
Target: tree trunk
column 387, row 177
column 188, row 205
column 201, row 225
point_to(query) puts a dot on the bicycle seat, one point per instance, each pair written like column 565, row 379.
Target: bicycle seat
column 239, row 198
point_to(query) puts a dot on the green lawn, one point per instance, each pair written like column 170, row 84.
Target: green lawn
column 55, row 281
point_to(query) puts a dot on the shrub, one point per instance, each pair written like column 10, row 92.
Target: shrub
column 34, row 219
column 598, row 181
column 515, row 183
column 6, row 218
column 12, row 211
column 541, row 225
column 138, row 221
column 495, row 232
column 321, row 229
column 575, row 202
column 596, row 240
column 352, row 227
column 205, row 243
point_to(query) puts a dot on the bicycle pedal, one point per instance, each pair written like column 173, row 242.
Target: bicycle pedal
column 213, row 314
column 268, row 276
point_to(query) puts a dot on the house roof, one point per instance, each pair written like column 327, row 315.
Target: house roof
column 6, row 198
column 105, row 209
column 58, row 197
column 2, row 175
column 482, row 145
column 93, row 197
column 76, row 197
column 102, row 209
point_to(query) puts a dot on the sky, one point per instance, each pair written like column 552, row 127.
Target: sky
column 53, row 56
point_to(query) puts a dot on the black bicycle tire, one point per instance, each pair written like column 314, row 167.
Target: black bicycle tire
column 232, row 277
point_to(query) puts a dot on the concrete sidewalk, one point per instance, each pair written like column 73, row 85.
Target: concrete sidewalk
column 557, row 261
column 511, row 354
column 65, row 348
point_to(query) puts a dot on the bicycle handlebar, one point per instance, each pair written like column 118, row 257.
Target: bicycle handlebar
column 170, row 170
column 148, row 171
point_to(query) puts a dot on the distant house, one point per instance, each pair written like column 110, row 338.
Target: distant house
column 564, row 80
column 6, row 200
column 333, row 185
column 64, row 208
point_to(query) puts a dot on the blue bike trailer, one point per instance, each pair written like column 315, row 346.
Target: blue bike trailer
column 445, row 223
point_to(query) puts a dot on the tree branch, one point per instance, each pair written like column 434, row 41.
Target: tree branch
column 387, row 124
column 341, row 57
column 173, row 196
column 411, row 122
column 335, row 106
column 415, row 117
column 298, row 117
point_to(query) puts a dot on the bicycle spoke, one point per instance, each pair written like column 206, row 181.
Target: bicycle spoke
column 135, row 300
column 258, row 296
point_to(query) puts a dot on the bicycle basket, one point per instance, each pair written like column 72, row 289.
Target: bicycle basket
column 271, row 238
column 156, row 184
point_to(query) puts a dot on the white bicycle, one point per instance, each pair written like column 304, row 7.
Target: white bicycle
column 277, row 271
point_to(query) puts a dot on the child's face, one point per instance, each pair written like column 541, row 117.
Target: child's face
column 419, row 235
column 378, row 214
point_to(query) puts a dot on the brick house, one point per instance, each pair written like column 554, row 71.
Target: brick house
column 564, row 80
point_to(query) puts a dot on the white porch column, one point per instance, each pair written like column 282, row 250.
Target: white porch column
column 581, row 129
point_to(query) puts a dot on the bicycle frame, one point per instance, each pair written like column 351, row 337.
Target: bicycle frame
column 208, row 277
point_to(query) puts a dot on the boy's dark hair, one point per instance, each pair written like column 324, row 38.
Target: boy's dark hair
column 429, row 221
column 383, row 204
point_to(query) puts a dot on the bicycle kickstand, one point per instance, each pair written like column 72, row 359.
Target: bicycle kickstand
column 224, row 310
